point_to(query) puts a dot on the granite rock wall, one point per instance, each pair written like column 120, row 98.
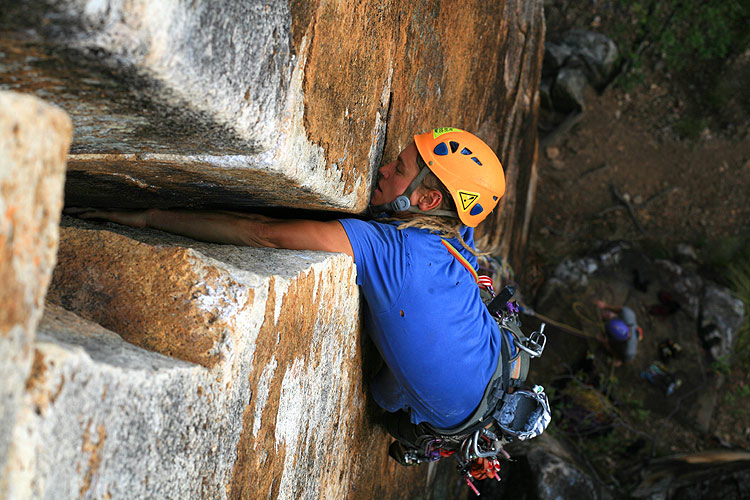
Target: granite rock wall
column 34, row 139
column 263, row 104
column 167, row 368
column 265, row 399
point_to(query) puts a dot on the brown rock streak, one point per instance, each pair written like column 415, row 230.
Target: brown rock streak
column 93, row 450
column 294, row 333
column 144, row 293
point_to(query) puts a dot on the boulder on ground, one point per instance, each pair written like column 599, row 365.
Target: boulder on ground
column 580, row 58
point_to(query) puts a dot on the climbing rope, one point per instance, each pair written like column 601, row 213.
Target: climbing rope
column 558, row 324
column 589, row 315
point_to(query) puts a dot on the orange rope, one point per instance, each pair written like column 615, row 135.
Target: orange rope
column 461, row 259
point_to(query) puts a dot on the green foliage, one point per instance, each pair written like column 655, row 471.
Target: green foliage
column 641, row 415
column 690, row 126
column 740, row 392
column 724, row 253
column 738, row 276
column 612, row 443
column 656, row 249
column 684, row 32
column 722, row 366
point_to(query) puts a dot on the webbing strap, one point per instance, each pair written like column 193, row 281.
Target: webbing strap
column 505, row 360
column 461, row 259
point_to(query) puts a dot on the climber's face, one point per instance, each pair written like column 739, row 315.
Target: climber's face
column 395, row 177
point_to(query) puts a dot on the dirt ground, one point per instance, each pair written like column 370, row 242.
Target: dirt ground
column 683, row 187
column 686, row 184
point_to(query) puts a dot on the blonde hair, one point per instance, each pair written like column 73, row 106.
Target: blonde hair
column 442, row 226
column 447, row 227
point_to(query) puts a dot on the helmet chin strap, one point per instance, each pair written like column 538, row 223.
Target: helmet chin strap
column 402, row 203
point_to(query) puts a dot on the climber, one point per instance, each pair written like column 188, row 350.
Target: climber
column 623, row 332
column 439, row 343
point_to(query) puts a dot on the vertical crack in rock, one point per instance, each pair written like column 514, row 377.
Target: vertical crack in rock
column 381, row 125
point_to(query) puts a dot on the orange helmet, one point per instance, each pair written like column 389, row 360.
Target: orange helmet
column 467, row 167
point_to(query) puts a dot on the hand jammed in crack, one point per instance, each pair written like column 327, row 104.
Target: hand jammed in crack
column 132, row 218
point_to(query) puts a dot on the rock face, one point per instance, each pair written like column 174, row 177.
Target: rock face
column 248, row 104
column 719, row 474
column 505, row 233
column 167, row 368
column 266, row 401
column 34, row 139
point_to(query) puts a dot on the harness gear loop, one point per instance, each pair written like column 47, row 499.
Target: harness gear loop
column 532, row 345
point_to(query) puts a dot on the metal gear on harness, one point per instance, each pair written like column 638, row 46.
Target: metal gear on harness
column 507, row 411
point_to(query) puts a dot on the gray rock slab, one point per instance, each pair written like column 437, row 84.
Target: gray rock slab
column 722, row 314
column 596, row 51
column 34, row 139
column 686, row 284
column 204, row 98
column 556, row 474
column 102, row 417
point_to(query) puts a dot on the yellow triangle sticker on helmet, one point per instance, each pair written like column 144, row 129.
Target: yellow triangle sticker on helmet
column 467, row 199
column 437, row 132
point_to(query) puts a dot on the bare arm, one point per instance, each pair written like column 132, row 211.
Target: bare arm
column 603, row 305
column 236, row 228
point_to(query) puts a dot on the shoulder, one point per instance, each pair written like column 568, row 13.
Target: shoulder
column 369, row 232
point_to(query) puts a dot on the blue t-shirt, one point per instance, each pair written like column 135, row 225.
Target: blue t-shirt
column 425, row 316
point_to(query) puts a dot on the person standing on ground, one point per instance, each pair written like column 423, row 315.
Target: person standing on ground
column 622, row 330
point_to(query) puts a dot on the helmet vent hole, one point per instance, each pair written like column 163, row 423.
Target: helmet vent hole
column 476, row 160
column 441, row 149
column 477, row 209
column 465, row 151
column 454, row 146
column 494, row 198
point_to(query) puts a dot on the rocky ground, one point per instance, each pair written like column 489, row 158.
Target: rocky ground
column 642, row 165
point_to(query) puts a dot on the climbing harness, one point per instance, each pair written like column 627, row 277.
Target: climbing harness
column 507, row 411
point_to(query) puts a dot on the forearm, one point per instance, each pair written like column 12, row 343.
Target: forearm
column 252, row 230
column 233, row 228
column 213, row 227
